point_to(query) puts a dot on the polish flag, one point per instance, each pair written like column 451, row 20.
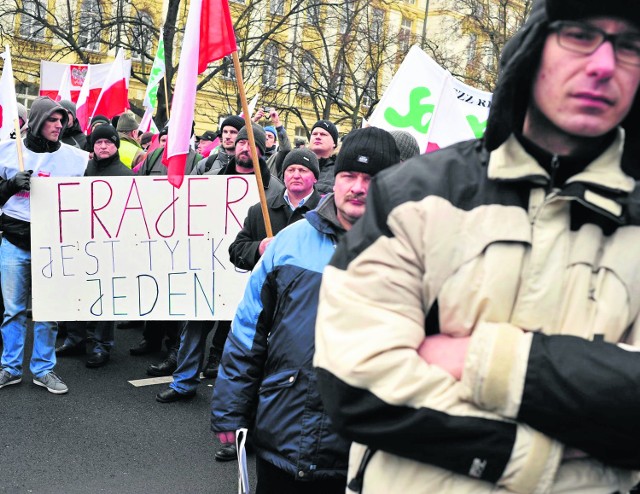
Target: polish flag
column 146, row 123
column 83, row 106
column 114, row 97
column 208, row 37
column 8, row 102
column 64, row 92
column 52, row 73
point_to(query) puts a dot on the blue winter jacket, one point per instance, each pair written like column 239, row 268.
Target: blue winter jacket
column 266, row 380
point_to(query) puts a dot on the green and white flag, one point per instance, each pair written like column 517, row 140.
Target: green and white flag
column 158, row 71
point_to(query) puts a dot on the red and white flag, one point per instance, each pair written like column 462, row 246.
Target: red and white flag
column 208, row 37
column 64, row 92
column 83, row 106
column 52, row 74
column 114, row 97
column 146, row 122
column 8, row 102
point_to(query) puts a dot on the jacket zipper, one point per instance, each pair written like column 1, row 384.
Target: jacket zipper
column 555, row 164
column 356, row 483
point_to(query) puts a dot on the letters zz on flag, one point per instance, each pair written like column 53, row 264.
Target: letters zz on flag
column 208, row 37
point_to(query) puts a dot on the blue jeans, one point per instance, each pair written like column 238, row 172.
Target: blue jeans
column 100, row 334
column 193, row 338
column 15, row 269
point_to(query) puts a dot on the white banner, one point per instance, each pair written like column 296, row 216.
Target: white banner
column 137, row 248
column 411, row 102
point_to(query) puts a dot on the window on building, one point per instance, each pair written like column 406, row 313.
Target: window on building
column 270, row 72
column 471, row 48
column 404, row 35
column 477, row 9
column 346, row 16
column 313, row 12
column 30, row 24
column 377, row 24
column 300, row 132
column 277, row 7
column 26, row 93
column 306, row 73
column 228, row 70
column 339, row 80
column 142, row 42
column 90, row 25
column 369, row 90
column 490, row 58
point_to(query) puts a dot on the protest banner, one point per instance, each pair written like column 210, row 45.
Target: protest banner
column 136, row 247
column 411, row 100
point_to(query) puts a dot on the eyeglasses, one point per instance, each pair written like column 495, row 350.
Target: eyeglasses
column 583, row 38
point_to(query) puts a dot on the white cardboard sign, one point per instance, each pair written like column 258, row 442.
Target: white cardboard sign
column 126, row 248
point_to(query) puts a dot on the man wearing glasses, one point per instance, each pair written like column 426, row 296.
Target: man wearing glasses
column 472, row 326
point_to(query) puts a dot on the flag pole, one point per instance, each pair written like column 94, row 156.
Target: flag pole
column 252, row 144
column 166, row 95
column 16, row 123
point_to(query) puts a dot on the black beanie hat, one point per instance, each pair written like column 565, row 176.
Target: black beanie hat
column 105, row 131
column 99, row 119
column 258, row 134
column 367, row 150
column 234, row 121
column 573, row 10
column 304, row 157
column 329, row 127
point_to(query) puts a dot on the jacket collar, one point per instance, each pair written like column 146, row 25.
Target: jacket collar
column 601, row 185
column 324, row 218
column 510, row 162
column 278, row 201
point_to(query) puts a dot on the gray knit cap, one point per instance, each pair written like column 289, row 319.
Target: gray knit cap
column 258, row 134
column 127, row 122
column 304, row 157
column 407, row 144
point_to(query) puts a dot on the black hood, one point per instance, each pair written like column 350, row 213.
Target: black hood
column 75, row 128
column 41, row 109
column 521, row 58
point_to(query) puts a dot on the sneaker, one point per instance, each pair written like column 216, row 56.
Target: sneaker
column 52, row 382
column 7, row 379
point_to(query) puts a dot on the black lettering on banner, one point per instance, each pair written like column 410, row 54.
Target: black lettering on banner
column 97, row 300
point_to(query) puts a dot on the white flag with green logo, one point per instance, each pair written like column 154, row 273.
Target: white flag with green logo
column 158, row 71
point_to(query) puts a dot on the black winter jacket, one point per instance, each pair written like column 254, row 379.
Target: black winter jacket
column 244, row 249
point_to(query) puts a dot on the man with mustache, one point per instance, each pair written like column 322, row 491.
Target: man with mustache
column 45, row 156
column 471, row 326
column 266, row 381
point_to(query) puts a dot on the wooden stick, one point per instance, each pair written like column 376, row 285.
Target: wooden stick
column 252, row 145
column 166, row 96
column 16, row 124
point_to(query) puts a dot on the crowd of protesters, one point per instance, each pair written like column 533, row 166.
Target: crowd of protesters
column 458, row 321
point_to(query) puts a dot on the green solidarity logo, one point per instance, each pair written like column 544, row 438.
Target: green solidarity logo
column 477, row 126
column 417, row 112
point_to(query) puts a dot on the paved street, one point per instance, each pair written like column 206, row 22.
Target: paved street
column 106, row 435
